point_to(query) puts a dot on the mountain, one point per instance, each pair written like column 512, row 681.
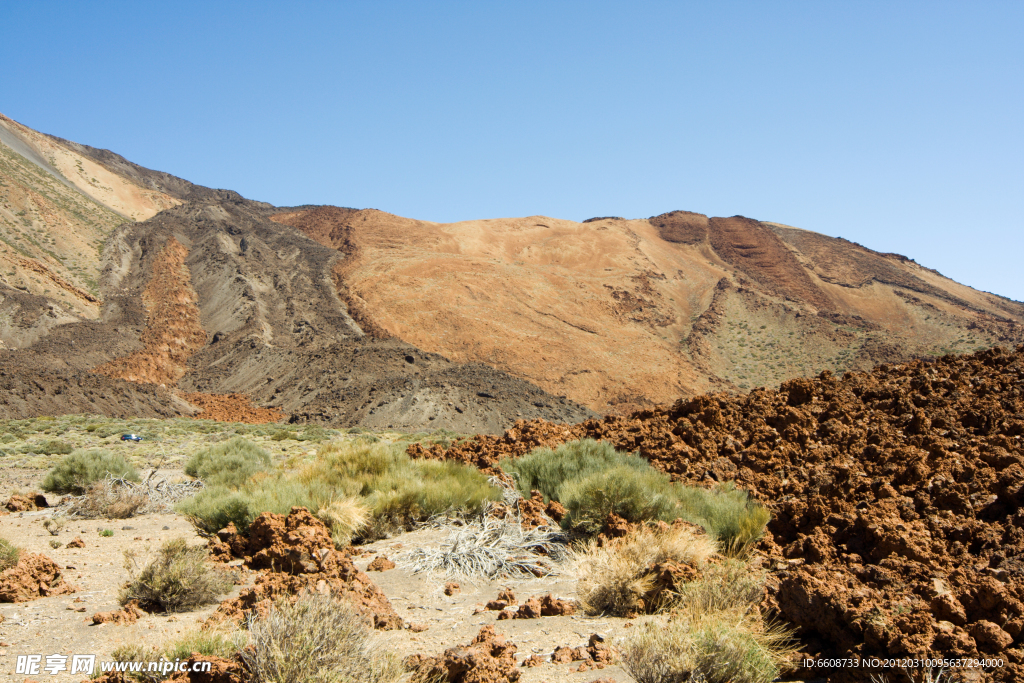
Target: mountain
column 130, row 291
column 624, row 314
column 209, row 298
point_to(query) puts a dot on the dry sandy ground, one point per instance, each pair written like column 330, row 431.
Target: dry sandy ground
column 57, row 625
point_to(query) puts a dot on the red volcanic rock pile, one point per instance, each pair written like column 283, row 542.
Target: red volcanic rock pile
column 35, row 576
column 298, row 555
column 896, row 497
column 488, row 658
column 231, row 408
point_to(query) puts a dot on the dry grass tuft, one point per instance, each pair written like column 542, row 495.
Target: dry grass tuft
column 316, row 639
column 712, row 647
column 344, row 517
column 615, row 578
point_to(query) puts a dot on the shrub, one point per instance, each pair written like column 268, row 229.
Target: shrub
column 314, row 433
column 399, row 490
column 719, row 647
column 206, row 642
column 344, row 517
column 9, row 554
column 316, row 639
column 53, row 447
column 726, row 513
column 105, row 499
column 215, row 507
column 77, row 471
column 395, row 491
column 53, row 525
column 546, row 470
column 179, row 579
column 635, row 494
column 615, row 578
column 230, row 463
column 592, row 480
column 106, row 533
column 728, row 585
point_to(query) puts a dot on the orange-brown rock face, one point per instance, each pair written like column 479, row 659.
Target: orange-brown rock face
column 625, row 314
column 173, row 331
column 35, row 576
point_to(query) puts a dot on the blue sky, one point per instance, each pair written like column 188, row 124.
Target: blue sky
column 896, row 125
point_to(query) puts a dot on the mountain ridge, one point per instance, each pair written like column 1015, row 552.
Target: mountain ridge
column 316, row 310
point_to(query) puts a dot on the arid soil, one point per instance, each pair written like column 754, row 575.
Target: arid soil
column 896, row 496
column 623, row 314
column 416, row 616
column 57, row 206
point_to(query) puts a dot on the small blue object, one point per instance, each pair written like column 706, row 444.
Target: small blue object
column 131, row 437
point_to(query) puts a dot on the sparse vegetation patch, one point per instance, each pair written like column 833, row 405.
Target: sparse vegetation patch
column 77, row 471
column 316, row 639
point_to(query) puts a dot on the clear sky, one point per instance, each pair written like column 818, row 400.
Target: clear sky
column 899, row 125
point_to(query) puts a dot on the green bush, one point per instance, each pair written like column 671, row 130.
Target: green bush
column 726, row 512
column 546, row 470
column 9, row 554
column 637, row 495
column 53, row 447
column 397, row 490
column 215, row 507
column 179, row 579
column 592, row 480
column 230, row 463
column 81, row 468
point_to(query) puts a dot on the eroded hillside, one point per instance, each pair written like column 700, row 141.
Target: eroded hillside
column 57, row 208
column 621, row 314
column 120, row 274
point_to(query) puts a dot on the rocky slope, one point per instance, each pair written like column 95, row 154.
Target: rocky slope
column 56, row 209
column 210, row 296
column 620, row 314
column 897, row 498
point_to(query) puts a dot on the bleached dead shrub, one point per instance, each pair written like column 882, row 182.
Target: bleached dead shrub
column 492, row 548
column 316, row 639
column 119, row 498
column 613, row 579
